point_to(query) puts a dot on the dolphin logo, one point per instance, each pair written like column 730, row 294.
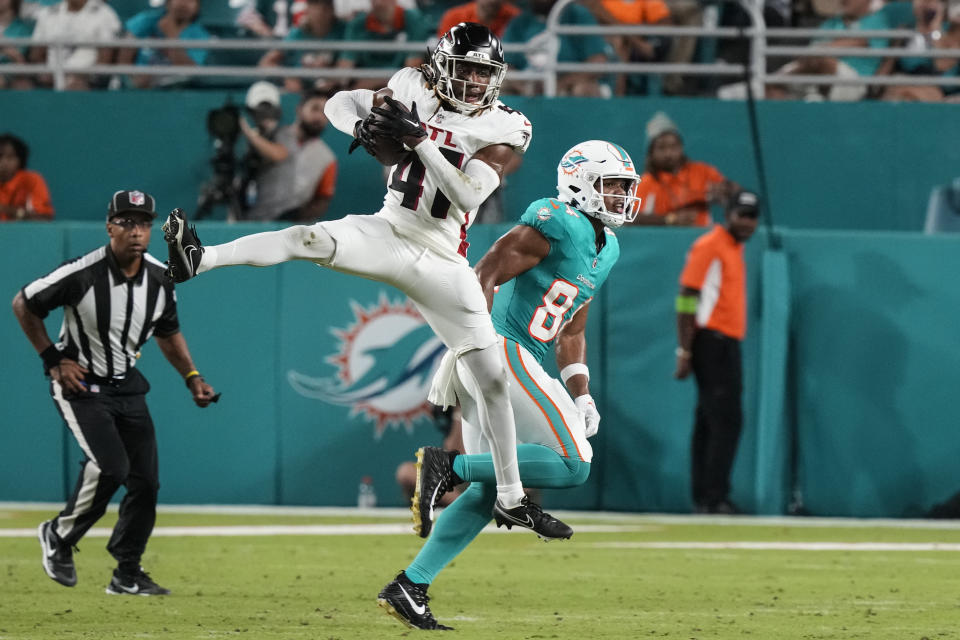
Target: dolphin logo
column 382, row 377
column 385, row 365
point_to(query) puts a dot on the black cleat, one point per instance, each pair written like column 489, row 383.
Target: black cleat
column 183, row 247
column 57, row 557
column 435, row 477
column 134, row 584
column 529, row 515
column 407, row 602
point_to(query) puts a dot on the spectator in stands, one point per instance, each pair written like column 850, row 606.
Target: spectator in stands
column 319, row 23
column 349, row 9
column 528, row 28
column 633, row 48
column 494, row 14
column 76, row 19
column 385, row 22
column 857, row 15
column 776, row 13
column 267, row 18
column 711, row 323
column 176, row 20
column 292, row 171
column 275, row 18
column 932, row 32
column 683, row 49
column 13, row 26
column 30, row 8
column 433, row 10
column 676, row 191
column 23, row 193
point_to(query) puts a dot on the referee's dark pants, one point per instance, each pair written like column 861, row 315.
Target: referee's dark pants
column 113, row 428
column 718, row 370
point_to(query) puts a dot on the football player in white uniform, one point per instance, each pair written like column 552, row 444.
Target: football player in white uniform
column 417, row 241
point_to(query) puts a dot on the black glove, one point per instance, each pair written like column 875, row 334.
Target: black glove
column 398, row 122
column 362, row 136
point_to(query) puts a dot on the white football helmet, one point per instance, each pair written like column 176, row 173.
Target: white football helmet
column 579, row 170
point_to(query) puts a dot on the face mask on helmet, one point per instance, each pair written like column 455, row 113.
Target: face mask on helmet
column 596, row 168
column 468, row 67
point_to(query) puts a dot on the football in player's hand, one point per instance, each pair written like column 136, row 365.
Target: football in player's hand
column 388, row 151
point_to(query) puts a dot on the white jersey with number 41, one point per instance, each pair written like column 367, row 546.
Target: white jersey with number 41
column 414, row 202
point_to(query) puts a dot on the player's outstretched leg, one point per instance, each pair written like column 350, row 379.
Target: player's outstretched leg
column 529, row 515
column 407, row 601
column 183, row 247
column 435, row 477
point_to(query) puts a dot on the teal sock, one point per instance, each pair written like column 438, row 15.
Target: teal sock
column 456, row 527
column 466, row 517
column 540, row 467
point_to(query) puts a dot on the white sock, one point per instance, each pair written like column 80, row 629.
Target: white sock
column 271, row 247
column 491, row 404
column 509, row 496
column 208, row 260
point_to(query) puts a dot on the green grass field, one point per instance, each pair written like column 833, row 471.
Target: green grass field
column 639, row 577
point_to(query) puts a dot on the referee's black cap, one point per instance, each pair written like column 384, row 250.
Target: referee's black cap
column 132, row 201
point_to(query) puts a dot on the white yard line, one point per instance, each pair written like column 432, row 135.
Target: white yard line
column 786, row 546
column 637, row 518
column 615, row 516
column 234, row 510
column 396, row 529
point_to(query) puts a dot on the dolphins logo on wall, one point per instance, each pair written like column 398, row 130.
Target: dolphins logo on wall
column 385, row 363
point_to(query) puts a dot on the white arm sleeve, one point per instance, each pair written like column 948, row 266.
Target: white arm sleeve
column 465, row 189
column 344, row 108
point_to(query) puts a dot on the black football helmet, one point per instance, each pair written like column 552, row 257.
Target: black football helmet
column 468, row 47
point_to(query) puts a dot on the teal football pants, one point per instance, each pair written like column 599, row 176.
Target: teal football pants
column 460, row 523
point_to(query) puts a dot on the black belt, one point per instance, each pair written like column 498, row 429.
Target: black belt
column 108, row 382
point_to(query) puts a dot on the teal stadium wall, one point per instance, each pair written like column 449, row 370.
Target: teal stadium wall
column 848, row 361
column 867, row 166
column 850, row 364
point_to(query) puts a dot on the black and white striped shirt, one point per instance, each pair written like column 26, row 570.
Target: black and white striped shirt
column 106, row 316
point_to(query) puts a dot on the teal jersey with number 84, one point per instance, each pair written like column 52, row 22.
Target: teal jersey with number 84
column 533, row 307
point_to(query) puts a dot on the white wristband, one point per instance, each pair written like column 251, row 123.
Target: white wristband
column 572, row 370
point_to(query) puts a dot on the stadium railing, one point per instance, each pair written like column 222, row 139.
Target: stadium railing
column 761, row 53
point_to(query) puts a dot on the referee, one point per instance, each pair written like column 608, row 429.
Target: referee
column 114, row 298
